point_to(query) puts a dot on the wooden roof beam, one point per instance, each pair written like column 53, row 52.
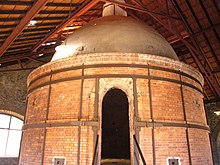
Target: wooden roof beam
column 58, row 18
column 194, row 52
column 27, row 55
column 208, row 29
column 211, row 78
column 87, row 5
column 41, row 12
column 140, row 9
column 35, row 26
column 204, row 35
column 29, row 3
column 23, row 23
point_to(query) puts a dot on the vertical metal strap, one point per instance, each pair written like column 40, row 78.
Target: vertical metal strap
column 135, row 98
column 81, row 92
column 9, row 125
column 46, row 118
column 151, row 116
column 80, row 115
column 96, row 98
column 94, row 160
column 185, row 119
column 95, row 129
column 136, row 115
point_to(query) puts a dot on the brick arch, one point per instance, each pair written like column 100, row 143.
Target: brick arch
column 12, row 113
column 126, row 85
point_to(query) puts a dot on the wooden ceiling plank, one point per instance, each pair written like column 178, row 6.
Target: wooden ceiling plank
column 87, row 5
column 208, row 29
column 209, row 19
column 37, row 25
column 23, row 23
column 29, row 3
column 210, row 78
column 206, row 38
column 12, row 19
column 194, row 52
column 26, row 55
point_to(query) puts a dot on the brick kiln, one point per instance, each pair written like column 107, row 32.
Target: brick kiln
column 117, row 86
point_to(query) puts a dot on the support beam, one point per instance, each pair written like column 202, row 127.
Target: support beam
column 29, row 3
column 37, row 60
column 15, row 70
column 19, row 62
column 211, row 78
column 210, row 20
column 174, row 39
column 140, row 9
column 58, row 18
column 23, row 23
column 26, row 55
column 212, row 27
column 204, row 35
column 41, row 12
column 80, row 11
column 193, row 50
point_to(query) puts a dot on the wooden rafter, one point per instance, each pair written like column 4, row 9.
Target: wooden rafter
column 87, row 5
column 26, row 55
column 210, row 77
column 140, row 9
column 23, row 23
column 29, row 3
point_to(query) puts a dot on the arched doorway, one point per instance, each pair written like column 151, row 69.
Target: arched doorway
column 115, row 126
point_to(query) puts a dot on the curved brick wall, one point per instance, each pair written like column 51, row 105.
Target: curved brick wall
column 165, row 108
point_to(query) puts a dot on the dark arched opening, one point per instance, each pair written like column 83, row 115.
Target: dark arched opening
column 115, row 126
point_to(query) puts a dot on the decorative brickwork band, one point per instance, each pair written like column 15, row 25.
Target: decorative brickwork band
column 121, row 65
column 115, row 76
column 30, row 89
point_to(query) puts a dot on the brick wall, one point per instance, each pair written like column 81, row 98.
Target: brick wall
column 164, row 95
column 13, row 87
column 217, row 154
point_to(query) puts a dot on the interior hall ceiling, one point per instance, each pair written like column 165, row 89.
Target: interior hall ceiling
column 192, row 27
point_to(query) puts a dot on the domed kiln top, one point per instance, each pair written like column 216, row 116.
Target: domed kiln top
column 115, row 34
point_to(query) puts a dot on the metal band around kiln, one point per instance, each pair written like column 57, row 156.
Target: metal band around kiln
column 96, row 124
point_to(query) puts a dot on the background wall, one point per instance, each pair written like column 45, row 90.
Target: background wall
column 214, row 123
column 13, row 90
column 13, row 87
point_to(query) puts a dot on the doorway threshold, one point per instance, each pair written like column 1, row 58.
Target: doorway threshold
column 115, row 162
